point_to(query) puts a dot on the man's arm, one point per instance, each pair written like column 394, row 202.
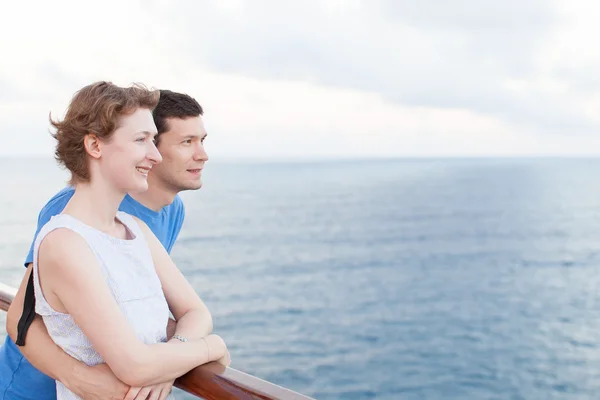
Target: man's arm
column 90, row 383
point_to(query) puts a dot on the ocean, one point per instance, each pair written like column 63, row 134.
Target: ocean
column 384, row 279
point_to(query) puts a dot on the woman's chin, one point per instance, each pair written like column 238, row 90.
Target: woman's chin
column 139, row 187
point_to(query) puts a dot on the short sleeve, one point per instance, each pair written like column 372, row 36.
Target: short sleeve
column 177, row 217
column 53, row 207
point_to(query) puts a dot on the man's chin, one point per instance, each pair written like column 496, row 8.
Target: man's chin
column 191, row 186
column 197, row 186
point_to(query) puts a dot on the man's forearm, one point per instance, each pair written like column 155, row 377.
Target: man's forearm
column 40, row 350
column 90, row 383
column 45, row 355
column 93, row 383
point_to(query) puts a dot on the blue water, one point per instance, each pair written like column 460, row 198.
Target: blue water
column 399, row 279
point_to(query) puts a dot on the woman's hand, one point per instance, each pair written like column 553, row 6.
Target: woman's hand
column 217, row 350
column 222, row 355
column 225, row 360
column 153, row 392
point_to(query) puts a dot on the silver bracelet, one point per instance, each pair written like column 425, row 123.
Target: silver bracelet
column 179, row 337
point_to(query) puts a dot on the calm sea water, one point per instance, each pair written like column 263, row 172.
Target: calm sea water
column 422, row 279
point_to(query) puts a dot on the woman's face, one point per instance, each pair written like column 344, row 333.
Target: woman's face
column 130, row 153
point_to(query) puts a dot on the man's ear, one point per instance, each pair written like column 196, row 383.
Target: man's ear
column 93, row 145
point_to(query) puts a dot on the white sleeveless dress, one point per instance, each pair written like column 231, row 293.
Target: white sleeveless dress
column 130, row 274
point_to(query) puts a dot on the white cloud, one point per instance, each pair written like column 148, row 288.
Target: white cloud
column 319, row 78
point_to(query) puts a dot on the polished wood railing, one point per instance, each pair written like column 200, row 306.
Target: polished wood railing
column 210, row 381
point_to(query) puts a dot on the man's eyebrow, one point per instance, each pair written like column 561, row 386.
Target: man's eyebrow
column 201, row 136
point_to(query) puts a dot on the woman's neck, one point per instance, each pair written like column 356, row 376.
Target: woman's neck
column 96, row 205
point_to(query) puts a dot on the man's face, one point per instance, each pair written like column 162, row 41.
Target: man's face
column 183, row 155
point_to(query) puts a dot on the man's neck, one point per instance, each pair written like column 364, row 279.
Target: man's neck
column 155, row 198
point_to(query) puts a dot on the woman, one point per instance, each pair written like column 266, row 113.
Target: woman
column 104, row 284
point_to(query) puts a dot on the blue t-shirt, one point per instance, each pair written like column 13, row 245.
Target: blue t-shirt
column 18, row 378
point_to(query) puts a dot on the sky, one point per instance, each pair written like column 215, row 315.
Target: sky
column 321, row 78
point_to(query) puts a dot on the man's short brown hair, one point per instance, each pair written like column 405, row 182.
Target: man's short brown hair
column 95, row 109
column 174, row 105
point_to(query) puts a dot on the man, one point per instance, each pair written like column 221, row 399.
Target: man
column 30, row 370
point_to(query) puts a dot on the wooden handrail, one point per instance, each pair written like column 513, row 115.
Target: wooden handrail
column 210, row 381
column 7, row 294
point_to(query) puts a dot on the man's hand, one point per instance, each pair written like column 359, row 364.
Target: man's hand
column 154, row 392
column 97, row 383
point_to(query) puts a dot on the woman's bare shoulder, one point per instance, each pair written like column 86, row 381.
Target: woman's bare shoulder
column 64, row 245
column 140, row 222
column 145, row 229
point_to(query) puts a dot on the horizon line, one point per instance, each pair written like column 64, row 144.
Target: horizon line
column 321, row 158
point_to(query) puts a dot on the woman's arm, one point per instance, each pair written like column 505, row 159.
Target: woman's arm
column 193, row 317
column 73, row 283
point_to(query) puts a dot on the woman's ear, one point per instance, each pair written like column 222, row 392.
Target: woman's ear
column 92, row 145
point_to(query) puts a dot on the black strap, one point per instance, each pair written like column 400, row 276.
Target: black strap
column 28, row 312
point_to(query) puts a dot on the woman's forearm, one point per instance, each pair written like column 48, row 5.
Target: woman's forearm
column 163, row 362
